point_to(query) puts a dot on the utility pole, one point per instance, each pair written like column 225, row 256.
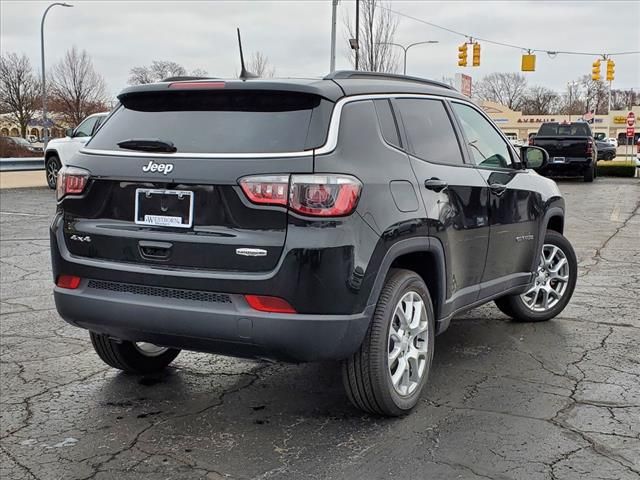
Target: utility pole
column 357, row 31
column 332, row 63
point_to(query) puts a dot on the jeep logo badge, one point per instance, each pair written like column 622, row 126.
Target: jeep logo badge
column 152, row 166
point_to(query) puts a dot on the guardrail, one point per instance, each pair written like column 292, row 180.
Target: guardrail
column 21, row 164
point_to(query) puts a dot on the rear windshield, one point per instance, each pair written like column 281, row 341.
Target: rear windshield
column 219, row 122
column 568, row 130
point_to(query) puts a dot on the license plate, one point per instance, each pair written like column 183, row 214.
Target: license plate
column 164, row 208
column 558, row 159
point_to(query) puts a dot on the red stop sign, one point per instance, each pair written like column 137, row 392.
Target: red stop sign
column 631, row 119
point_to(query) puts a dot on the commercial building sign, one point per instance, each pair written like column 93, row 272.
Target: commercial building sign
column 620, row 119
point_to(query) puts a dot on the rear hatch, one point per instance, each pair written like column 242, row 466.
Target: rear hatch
column 182, row 207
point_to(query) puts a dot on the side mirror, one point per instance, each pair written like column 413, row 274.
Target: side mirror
column 533, row 157
column 69, row 132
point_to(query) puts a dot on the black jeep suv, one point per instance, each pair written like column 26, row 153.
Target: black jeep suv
column 348, row 218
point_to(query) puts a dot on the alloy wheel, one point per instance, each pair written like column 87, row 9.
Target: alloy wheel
column 52, row 172
column 150, row 349
column 552, row 279
column 408, row 346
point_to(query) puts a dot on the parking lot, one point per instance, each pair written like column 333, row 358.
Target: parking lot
column 557, row 400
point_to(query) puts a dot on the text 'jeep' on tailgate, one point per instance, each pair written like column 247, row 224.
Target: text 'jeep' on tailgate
column 348, row 218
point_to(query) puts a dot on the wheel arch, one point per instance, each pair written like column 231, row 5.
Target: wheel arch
column 50, row 153
column 424, row 256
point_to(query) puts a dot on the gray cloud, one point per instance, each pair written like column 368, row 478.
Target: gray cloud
column 295, row 35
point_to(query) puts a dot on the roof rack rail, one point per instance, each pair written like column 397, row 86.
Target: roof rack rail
column 185, row 77
column 351, row 74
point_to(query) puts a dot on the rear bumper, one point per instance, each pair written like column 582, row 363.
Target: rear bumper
column 571, row 166
column 227, row 326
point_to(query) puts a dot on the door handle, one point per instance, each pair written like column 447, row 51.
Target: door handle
column 435, row 184
column 497, row 188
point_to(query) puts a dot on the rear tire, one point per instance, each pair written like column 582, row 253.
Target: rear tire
column 525, row 308
column 51, row 168
column 590, row 174
column 131, row 357
column 388, row 373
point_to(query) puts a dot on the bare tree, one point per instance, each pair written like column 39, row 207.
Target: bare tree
column 76, row 87
column 159, row 70
column 540, row 101
column 624, row 99
column 377, row 30
column 572, row 102
column 259, row 64
column 19, row 89
column 507, row 89
column 596, row 95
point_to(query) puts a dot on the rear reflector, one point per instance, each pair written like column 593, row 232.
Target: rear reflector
column 196, row 85
column 264, row 303
column 68, row 281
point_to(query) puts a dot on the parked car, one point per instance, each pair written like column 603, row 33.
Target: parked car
column 605, row 150
column 34, row 150
column 571, row 148
column 60, row 150
column 602, row 137
column 9, row 148
column 349, row 218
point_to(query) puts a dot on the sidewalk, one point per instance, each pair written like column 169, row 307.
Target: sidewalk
column 23, row 179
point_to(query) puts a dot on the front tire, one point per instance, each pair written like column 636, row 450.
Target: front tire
column 388, row 373
column 132, row 357
column 51, row 168
column 553, row 287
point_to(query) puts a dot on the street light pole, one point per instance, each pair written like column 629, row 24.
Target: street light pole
column 44, row 88
column 357, row 32
column 332, row 62
column 406, row 49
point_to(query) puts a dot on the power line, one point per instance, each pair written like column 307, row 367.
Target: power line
column 503, row 44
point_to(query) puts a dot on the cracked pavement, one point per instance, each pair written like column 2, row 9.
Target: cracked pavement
column 554, row 400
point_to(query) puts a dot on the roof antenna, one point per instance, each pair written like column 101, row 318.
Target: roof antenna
column 244, row 74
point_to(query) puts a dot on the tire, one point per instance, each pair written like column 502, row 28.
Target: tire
column 589, row 174
column 51, row 168
column 131, row 357
column 518, row 306
column 367, row 376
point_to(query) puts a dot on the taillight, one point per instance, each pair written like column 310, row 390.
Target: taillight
column 310, row 195
column 266, row 189
column 68, row 281
column 589, row 147
column 530, row 140
column 324, row 195
column 265, row 303
column 71, row 181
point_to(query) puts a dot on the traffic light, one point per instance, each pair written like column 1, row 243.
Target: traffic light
column 462, row 55
column 595, row 71
column 611, row 70
column 528, row 63
column 476, row 54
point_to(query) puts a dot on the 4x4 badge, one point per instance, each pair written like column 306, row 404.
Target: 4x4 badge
column 251, row 252
column 79, row 238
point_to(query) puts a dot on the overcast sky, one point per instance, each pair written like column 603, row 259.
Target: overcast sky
column 295, row 35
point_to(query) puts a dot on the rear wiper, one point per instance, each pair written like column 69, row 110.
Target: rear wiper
column 148, row 145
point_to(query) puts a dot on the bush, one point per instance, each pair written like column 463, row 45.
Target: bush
column 617, row 169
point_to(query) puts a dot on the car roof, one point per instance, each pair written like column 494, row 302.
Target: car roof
column 332, row 87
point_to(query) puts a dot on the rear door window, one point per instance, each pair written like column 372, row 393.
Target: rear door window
column 240, row 121
column 387, row 122
column 429, row 131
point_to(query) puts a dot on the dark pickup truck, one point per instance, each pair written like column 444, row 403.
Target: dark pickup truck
column 571, row 148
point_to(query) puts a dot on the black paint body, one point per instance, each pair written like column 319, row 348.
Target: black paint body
column 470, row 241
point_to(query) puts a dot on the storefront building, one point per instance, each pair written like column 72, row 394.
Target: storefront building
column 518, row 126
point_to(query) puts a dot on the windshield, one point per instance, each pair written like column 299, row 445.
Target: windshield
column 238, row 121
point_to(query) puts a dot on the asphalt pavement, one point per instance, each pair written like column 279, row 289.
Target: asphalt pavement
column 556, row 400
